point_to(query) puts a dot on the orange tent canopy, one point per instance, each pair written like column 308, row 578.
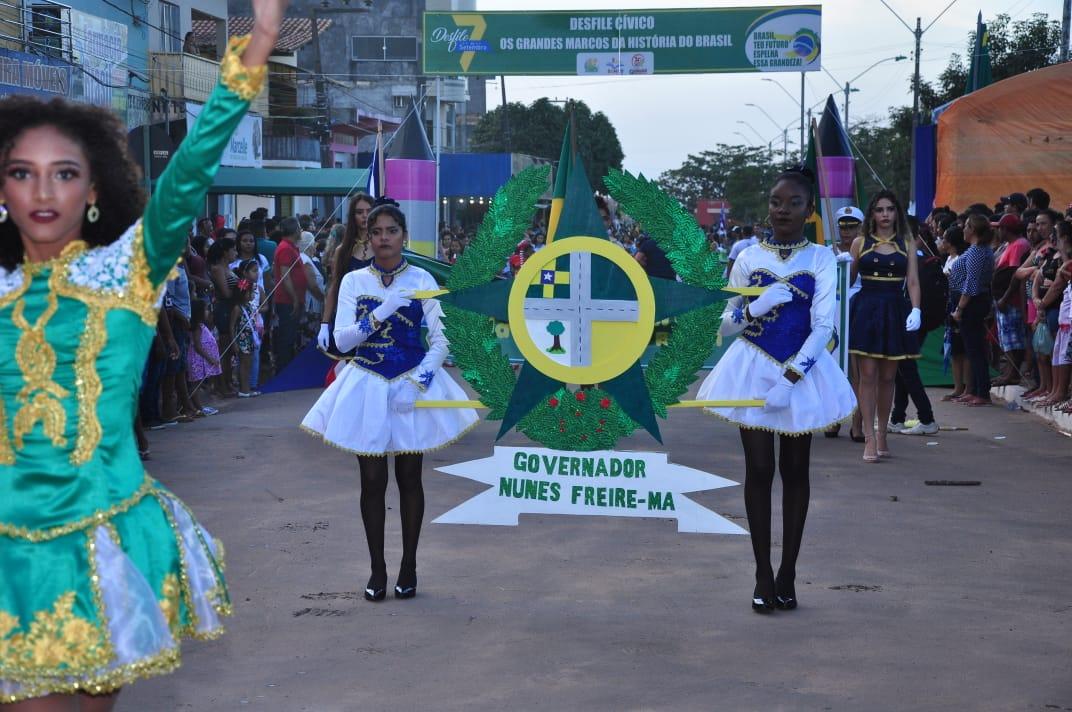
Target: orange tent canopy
column 1008, row 137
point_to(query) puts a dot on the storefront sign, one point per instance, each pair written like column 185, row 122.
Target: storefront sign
column 246, row 147
column 22, row 73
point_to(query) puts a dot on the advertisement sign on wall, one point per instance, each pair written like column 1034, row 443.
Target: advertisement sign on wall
column 246, row 147
column 100, row 47
column 22, row 73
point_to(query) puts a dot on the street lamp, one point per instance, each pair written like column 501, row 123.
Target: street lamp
column 848, row 85
column 770, row 151
column 794, row 100
column 746, row 139
column 784, row 132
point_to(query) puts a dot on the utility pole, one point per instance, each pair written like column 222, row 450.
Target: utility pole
column 322, row 104
column 802, row 144
column 1066, row 20
column 849, row 88
column 505, row 117
column 917, row 33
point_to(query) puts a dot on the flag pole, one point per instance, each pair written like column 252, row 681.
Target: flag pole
column 380, row 175
column 828, row 208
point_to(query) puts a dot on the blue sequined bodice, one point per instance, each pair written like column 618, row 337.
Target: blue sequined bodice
column 396, row 347
column 783, row 330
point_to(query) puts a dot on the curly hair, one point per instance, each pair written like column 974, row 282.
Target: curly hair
column 102, row 136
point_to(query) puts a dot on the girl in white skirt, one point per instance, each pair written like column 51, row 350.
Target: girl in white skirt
column 780, row 355
column 369, row 408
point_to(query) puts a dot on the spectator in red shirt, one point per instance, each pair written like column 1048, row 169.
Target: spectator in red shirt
column 1008, row 294
column 289, row 298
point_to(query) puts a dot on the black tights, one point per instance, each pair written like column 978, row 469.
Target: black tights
column 374, row 512
column 793, row 463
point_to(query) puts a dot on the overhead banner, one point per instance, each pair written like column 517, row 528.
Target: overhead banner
column 684, row 41
column 531, row 480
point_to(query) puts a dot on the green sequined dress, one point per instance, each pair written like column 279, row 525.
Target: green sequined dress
column 102, row 570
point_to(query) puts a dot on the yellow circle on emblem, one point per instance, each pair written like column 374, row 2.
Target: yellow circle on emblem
column 568, row 334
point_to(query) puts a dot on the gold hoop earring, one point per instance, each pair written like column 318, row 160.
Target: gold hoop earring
column 3, row 212
column 93, row 214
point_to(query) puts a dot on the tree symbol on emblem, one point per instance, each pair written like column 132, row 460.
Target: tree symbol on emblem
column 556, row 329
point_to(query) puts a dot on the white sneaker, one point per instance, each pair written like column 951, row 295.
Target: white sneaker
column 922, row 429
column 895, row 427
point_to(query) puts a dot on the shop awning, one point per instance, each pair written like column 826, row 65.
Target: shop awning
column 288, row 181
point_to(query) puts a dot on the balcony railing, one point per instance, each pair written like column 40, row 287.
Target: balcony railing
column 188, row 76
column 291, row 148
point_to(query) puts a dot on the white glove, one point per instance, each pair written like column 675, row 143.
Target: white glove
column 913, row 321
column 403, row 396
column 778, row 396
column 393, row 302
column 774, row 295
column 843, row 257
column 323, row 337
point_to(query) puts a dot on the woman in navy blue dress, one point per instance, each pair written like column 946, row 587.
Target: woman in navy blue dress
column 353, row 253
column 882, row 321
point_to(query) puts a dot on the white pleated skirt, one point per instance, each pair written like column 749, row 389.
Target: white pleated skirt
column 819, row 400
column 354, row 414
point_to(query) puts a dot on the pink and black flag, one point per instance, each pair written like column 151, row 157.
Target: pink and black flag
column 830, row 159
column 410, row 170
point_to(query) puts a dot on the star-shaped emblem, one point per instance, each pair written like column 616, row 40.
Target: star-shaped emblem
column 606, row 283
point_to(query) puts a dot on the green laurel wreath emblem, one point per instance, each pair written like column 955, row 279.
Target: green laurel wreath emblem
column 584, row 419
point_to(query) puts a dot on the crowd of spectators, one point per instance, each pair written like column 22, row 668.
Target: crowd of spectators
column 1014, row 259
column 238, row 307
column 245, row 300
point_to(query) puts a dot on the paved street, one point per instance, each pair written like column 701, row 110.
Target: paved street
column 913, row 597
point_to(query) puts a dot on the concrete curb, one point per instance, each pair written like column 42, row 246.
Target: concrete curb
column 1011, row 394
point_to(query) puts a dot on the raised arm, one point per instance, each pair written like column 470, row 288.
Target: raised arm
column 181, row 189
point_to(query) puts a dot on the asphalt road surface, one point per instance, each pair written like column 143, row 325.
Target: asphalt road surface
column 912, row 597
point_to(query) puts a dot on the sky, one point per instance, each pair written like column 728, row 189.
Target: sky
column 661, row 119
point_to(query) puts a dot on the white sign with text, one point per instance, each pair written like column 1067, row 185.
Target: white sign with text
column 605, row 483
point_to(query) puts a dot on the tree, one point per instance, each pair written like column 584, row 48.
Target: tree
column 885, row 148
column 739, row 174
column 556, row 329
column 1015, row 48
column 537, row 130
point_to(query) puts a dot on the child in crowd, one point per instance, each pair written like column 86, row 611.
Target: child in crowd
column 251, row 270
column 203, row 358
column 247, row 340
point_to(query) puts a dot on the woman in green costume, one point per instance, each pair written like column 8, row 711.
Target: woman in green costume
column 103, row 570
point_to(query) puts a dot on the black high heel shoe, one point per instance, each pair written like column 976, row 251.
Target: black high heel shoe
column 376, row 588
column 406, row 587
column 785, row 596
column 761, row 604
